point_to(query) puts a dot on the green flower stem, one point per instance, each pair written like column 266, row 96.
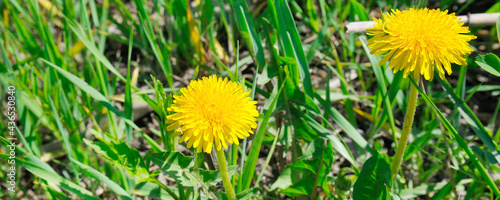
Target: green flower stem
column 405, row 133
column 221, row 159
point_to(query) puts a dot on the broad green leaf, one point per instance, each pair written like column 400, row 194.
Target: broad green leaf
column 313, row 166
column 121, row 155
column 489, row 62
column 284, row 180
column 303, row 130
column 293, row 93
column 302, row 166
column 484, row 155
column 303, row 187
column 374, row 180
column 181, row 168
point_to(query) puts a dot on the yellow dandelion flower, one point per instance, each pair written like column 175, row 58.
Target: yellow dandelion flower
column 212, row 110
column 419, row 40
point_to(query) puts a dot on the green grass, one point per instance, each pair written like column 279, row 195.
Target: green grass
column 94, row 81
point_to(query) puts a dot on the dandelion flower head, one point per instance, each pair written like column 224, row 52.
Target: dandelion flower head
column 419, row 39
column 212, row 111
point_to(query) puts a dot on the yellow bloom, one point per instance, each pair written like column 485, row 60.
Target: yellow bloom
column 419, row 39
column 212, row 111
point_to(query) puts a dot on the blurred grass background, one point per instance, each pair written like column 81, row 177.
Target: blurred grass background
column 93, row 80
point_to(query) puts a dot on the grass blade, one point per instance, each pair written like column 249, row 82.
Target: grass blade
column 55, row 180
column 92, row 48
column 345, row 125
column 105, row 102
column 91, row 172
column 460, row 140
column 291, row 44
column 253, row 155
column 471, row 119
column 246, row 25
column 381, row 85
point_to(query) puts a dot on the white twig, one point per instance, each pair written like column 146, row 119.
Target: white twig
column 481, row 19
